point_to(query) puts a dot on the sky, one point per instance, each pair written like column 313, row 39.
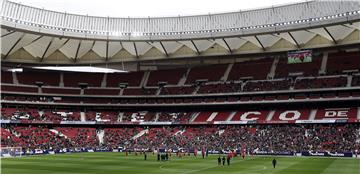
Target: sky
column 150, row 8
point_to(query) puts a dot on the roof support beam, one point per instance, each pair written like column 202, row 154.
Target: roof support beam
column 227, row 45
column 11, row 32
column 333, row 39
column 262, row 46
column 34, row 41
column 77, row 51
column 136, row 52
column 107, row 51
column 196, row 48
column 12, row 47
column 48, row 46
column 292, row 37
column 166, row 53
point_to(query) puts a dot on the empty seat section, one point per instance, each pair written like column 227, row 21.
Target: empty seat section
column 222, row 116
column 219, row 88
column 48, row 78
column 101, row 91
column 257, row 69
column 273, row 85
column 19, row 88
column 132, row 79
column 177, row 90
column 171, row 76
column 97, row 100
column 338, row 62
column 211, row 73
column 355, row 80
column 139, row 91
column 92, row 79
column 203, row 116
column 6, row 77
column 283, row 69
column 321, row 82
column 61, row 90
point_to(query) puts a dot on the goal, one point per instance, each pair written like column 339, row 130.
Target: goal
column 6, row 152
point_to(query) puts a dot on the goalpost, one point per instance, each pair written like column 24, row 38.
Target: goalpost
column 6, row 152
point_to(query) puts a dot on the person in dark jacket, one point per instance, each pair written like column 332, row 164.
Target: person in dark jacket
column 274, row 162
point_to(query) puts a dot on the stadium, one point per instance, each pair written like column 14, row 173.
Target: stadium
column 267, row 90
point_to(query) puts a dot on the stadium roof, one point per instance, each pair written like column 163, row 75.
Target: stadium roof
column 33, row 35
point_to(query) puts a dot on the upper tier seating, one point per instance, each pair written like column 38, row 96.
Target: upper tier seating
column 132, row 78
column 140, row 91
column 171, row 76
column 257, row 69
column 273, row 85
column 177, row 90
column 338, row 62
column 6, row 77
column 321, row 82
column 283, row 69
column 211, row 73
column 47, row 77
column 61, row 90
column 355, row 80
column 92, row 79
column 12, row 88
column 219, row 88
column 101, row 91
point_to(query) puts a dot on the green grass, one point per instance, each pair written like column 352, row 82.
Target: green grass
column 109, row 163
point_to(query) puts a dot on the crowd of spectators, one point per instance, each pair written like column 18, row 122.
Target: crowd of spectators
column 267, row 138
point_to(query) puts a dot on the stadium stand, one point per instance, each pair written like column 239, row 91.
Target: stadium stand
column 131, row 78
column 284, row 69
column 268, row 85
column 50, row 90
column 204, row 72
column 6, row 77
column 12, row 88
column 171, row 76
column 321, row 82
column 277, row 138
column 177, row 90
column 101, row 91
column 31, row 77
column 140, row 91
column 343, row 61
column 91, row 79
column 255, row 69
column 219, row 88
column 355, row 80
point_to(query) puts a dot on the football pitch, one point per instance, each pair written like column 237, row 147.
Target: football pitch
column 111, row 163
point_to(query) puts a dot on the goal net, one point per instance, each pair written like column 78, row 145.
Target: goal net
column 10, row 152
